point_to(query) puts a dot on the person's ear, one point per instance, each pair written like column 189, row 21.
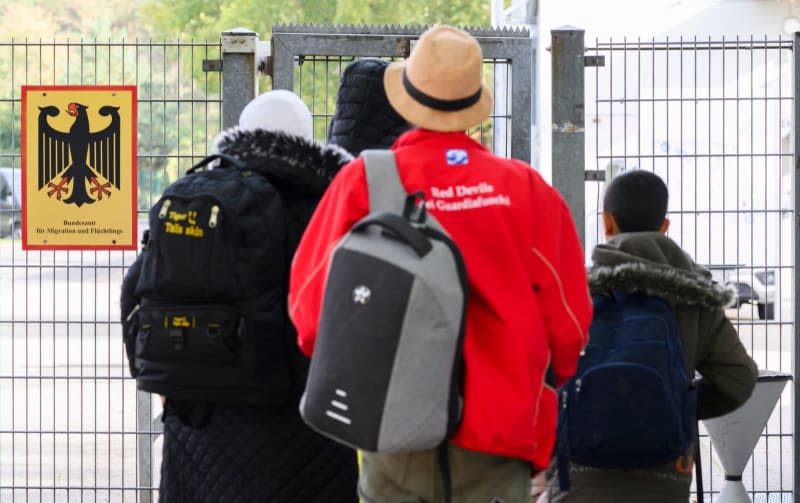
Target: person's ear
column 610, row 225
column 664, row 226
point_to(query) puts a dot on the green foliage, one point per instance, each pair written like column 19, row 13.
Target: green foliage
column 109, row 42
column 87, row 19
column 204, row 19
column 316, row 79
column 455, row 12
column 201, row 19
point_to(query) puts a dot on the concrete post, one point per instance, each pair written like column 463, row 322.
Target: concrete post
column 568, row 121
column 239, row 73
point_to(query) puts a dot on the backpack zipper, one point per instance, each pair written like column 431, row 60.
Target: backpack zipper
column 133, row 312
column 212, row 220
column 162, row 213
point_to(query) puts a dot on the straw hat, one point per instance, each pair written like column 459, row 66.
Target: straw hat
column 439, row 86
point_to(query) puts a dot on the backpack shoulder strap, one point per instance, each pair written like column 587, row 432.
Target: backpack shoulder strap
column 227, row 160
column 386, row 191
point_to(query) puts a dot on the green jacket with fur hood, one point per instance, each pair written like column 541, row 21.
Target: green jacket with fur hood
column 652, row 263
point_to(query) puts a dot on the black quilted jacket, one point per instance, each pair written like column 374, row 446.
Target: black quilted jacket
column 245, row 453
column 363, row 117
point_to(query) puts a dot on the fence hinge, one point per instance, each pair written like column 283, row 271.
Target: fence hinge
column 594, row 61
column 403, row 47
column 265, row 66
column 212, row 65
column 594, row 175
column 264, row 57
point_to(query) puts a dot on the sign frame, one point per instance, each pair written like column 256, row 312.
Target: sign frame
column 62, row 234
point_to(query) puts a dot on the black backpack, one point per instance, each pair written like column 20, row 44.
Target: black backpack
column 212, row 323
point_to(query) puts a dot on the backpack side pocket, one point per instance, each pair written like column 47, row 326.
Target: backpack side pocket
column 189, row 351
column 130, row 327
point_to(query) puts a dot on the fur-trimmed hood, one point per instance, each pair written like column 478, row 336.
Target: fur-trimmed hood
column 652, row 263
column 289, row 161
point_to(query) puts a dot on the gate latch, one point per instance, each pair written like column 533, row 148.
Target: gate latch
column 212, row 65
column 594, row 61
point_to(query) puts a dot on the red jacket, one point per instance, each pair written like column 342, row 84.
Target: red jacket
column 528, row 305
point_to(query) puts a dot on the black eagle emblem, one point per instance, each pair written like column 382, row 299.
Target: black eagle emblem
column 79, row 166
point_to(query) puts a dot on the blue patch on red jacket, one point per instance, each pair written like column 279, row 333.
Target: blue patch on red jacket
column 456, row 156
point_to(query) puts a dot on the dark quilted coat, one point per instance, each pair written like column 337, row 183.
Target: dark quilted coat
column 257, row 453
column 363, row 117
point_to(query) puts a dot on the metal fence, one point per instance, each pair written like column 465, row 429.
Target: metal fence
column 72, row 427
column 713, row 118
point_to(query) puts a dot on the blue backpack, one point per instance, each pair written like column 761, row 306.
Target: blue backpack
column 630, row 403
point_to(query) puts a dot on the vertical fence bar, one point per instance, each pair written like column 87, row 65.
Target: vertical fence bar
column 144, row 446
column 521, row 102
column 239, row 73
column 568, row 121
column 796, row 326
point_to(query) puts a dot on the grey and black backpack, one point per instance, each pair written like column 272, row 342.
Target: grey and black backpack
column 386, row 371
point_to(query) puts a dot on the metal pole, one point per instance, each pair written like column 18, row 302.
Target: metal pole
column 568, row 120
column 532, row 20
column 239, row 73
column 500, row 146
column 522, row 106
column 144, row 445
column 796, row 327
column 521, row 99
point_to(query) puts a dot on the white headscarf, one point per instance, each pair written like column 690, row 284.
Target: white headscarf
column 278, row 111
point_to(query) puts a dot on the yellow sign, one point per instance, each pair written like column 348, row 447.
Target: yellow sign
column 79, row 167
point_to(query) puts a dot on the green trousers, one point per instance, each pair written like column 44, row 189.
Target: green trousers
column 416, row 478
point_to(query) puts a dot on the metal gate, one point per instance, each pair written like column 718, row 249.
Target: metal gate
column 713, row 118
column 309, row 60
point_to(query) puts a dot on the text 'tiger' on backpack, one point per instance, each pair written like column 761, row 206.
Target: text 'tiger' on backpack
column 630, row 404
column 385, row 375
column 211, row 324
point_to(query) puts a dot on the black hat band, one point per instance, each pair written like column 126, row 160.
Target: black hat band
column 436, row 103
